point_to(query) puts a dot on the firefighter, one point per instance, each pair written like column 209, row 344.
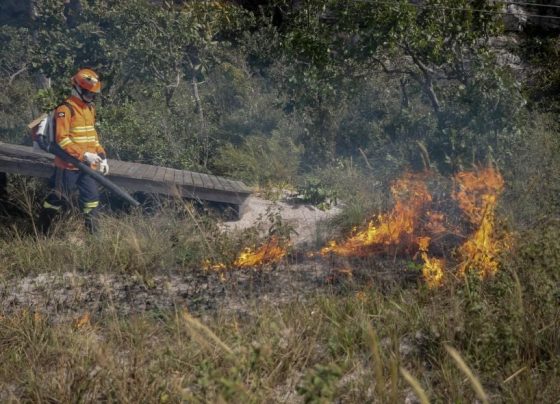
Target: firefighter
column 76, row 135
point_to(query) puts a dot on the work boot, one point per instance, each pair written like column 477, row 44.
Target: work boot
column 91, row 221
column 45, row 220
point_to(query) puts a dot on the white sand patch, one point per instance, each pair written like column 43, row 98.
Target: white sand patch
column 303, row 218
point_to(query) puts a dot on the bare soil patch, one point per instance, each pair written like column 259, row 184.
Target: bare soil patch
column 68, row 295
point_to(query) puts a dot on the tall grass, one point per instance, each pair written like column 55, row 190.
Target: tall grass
column 320, row 350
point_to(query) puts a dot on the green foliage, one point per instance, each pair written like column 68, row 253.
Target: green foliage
column 313, row 191
column 533, row 173
column 319, row 385
column 345, row 78
column 361, row 91
column 436, row 56
column 260, row 160
column 150, row 133
column 541, row 50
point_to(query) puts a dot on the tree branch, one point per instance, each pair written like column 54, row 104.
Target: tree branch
column 13, row 76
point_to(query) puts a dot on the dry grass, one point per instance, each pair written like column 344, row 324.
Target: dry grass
column 318, row 351
column 384, row 344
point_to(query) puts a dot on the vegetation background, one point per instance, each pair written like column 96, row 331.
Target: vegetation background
column 334, row 99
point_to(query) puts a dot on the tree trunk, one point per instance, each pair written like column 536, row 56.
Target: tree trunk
column 429, row 88
column 404, row 101
column 200, row 110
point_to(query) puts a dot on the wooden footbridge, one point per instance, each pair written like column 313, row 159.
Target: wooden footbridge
column 135, row 177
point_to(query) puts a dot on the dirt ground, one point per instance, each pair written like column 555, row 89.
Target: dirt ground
column 69, row 295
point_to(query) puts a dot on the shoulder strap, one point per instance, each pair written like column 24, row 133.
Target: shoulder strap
column 70, row 107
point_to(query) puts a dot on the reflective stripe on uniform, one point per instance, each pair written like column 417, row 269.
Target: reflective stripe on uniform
column 89, row 206
column 84, row 139
column 65, row 142
column 47, row 205
column 82, row 128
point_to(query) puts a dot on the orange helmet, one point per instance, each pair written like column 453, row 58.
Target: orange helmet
column 88, row 80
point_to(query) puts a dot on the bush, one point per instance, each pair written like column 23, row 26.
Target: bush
column 260, row 160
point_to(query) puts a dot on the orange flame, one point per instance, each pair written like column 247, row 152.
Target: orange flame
column 84, row 321
column 476, row 193
column 477, row 196
column 433, row 269
column 411, row 194
column 474, row 190
column 268, row 253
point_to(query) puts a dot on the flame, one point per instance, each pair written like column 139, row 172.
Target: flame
column 476, row 193
column 433, row 269
column 410, row 194
column 268, row 253
column 216, row 267
column 476, row 188
column 84, row 321
column 477, row 196
column 411, row 224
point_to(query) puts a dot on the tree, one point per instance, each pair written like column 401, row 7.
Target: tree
column 438, row 47
column 139, row 47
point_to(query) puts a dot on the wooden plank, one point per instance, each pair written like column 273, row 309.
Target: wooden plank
column 210, row 179
column 207, row 181
column 128, row 167
column 169, row 175
column 138, row 170
column 187, row 178
column 133, row 176
column 218, row 184
column 197, row 180
column 115, row 166
column 177, row 182
column 240, row 186
column 150, row 172
column 225, row 183
column 24, row 168
column 178, row 177
column 160, row 173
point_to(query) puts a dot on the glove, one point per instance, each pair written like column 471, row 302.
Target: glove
column 104, row 167
column 92, row 158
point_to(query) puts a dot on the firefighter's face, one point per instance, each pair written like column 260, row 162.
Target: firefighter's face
column 88, row 96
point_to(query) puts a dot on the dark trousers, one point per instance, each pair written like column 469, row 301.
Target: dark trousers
column 63, row 183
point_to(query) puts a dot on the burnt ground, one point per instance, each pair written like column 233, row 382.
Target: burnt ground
column 63, row 296
column 68, row 295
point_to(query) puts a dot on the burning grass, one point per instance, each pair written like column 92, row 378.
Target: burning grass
column 415, row 222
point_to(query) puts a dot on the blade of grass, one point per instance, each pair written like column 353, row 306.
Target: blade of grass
column 378, row 363
column 415, row 384
column 198, row 327
column 477, row 386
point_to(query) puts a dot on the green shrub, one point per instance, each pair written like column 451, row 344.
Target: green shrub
column 260, row 160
